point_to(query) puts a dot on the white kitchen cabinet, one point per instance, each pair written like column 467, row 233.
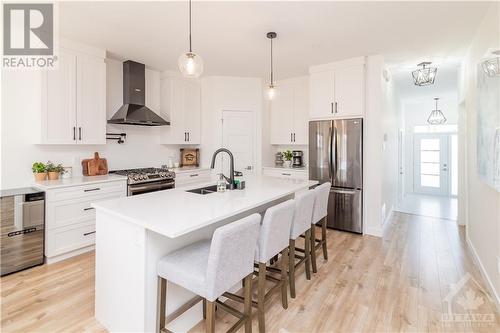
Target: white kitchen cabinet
column 73, row 109
column 285, row 173
column 337, row 90
column 180, row 102
column 289, row 112
column 70, row 218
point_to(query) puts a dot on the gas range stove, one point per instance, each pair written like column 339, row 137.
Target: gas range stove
column 145, row 175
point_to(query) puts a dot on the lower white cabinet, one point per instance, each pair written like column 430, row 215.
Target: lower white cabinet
column 70, row 219
column 286, row 173
column 184, row 178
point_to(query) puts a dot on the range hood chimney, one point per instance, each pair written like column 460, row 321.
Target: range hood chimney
column 133, row 111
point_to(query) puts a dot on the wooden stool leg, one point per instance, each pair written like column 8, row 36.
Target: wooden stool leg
column 247, row 294
column 261, row 297
column 313, row 248
column 210, row 321
column 204, row 305
column 323, row 238
column 291, row 263
column 308, row 254
column 161, row 304
column 284, row 282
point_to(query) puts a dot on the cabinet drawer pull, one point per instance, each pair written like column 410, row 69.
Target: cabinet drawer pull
column 188, row 136
column 88, row 208
column 336, row 107
column 92, row 189
column 194, row 175
column 74, row 133
column 89, row 233
column 286, row 174
column 331, row 104
column 80, row 133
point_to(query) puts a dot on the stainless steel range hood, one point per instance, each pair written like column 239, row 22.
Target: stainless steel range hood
column 134, row 111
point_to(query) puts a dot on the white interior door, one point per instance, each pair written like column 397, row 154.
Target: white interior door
column 238, row 136
column 431, row 164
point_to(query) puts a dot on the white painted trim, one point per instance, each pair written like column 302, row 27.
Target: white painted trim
column 489, row 284
column 82, row 48
column 377, row 232
column 67, row 255
column 338, row 64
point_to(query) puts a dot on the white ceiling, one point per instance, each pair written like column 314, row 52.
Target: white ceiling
column 230, row 36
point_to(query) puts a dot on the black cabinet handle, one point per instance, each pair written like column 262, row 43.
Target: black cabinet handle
column 286, row 174
column 194, row 175
column 80, row 133
column 92, row 189
column 89, row 208
column 189, row 137
column 291, row 137
column 332, row 106
column 89, row 233
column 74, row 133
column 336, row 107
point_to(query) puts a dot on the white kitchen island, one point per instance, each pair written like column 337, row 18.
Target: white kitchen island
column 133, row 233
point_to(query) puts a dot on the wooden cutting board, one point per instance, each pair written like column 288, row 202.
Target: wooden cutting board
column 95, row 166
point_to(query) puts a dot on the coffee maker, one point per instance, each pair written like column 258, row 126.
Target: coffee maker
column 297, row 159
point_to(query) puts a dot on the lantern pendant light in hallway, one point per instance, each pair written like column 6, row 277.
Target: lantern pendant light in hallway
column 424, row 76
column 436, row 117
column 271, row 89
column 190, row 64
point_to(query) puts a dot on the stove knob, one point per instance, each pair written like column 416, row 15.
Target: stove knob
column 134, row 178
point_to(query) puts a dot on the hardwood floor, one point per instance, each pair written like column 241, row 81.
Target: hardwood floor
column 396, row 283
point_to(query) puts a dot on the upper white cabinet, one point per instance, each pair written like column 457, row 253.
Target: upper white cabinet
column 337, row 89
column 180, row 102
column 73, row 109
column 289, row 112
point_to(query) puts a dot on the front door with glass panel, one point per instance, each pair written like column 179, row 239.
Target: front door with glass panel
column 431, row 167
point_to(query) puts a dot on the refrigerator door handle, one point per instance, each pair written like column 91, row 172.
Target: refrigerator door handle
column 330, row 159
column 343, row 191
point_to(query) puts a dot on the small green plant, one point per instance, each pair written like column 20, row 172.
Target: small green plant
column 51, row 167
column 287, row 154
column 38, row 167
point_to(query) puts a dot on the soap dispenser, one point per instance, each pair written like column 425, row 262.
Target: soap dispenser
column 221, row 184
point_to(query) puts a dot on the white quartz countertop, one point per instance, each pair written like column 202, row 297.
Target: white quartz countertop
column 75, row 181
column 175, row 212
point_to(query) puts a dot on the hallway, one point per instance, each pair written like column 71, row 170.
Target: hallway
column 442, row 207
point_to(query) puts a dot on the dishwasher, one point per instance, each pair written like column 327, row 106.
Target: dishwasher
column 22, row 224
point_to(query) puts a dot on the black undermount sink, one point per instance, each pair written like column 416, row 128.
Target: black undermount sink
column 204, row 190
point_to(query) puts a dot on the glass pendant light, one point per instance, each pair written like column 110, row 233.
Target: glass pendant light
column 271, row 89
column 492, row 66
column 190, row 64
column 436, row 117
column 424, row 76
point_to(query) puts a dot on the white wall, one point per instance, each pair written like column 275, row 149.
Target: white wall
column 20, row 105
column 415, row 112
column 483, row 202
column 380, row 148
column 221, row 93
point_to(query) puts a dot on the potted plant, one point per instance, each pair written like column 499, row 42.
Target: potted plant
column 54, row 170
column 287, row 154
column 39, row 170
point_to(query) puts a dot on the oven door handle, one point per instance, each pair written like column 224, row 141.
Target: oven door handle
column 151, row 187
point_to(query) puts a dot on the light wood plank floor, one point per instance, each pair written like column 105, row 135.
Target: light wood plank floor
column 395, row 284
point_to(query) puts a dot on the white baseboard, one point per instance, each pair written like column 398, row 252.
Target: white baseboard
column 54, row 259
column 489, row 284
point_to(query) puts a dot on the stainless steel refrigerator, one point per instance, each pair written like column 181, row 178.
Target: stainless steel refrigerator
column 336, row 156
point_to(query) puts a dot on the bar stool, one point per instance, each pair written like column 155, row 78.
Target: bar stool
column 304, row 205
column 208, row 268
column 320, row 214
column 273, row 239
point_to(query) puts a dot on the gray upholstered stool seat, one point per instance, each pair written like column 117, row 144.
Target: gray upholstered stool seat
column 209, row 268
column 320, row 214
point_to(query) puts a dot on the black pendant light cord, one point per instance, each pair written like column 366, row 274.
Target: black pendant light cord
column 190, row 48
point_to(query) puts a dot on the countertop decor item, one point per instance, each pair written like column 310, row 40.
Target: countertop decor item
column 95, row 166
column 39, row 170
column 278, row 159
column 287, row 154
column 190, row 64
column 424, row 76
column 271, row 89
column 190, row 157
column 54, row 171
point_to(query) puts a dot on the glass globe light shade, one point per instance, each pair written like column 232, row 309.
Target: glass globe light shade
column 190, row 65
column 271, row 92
